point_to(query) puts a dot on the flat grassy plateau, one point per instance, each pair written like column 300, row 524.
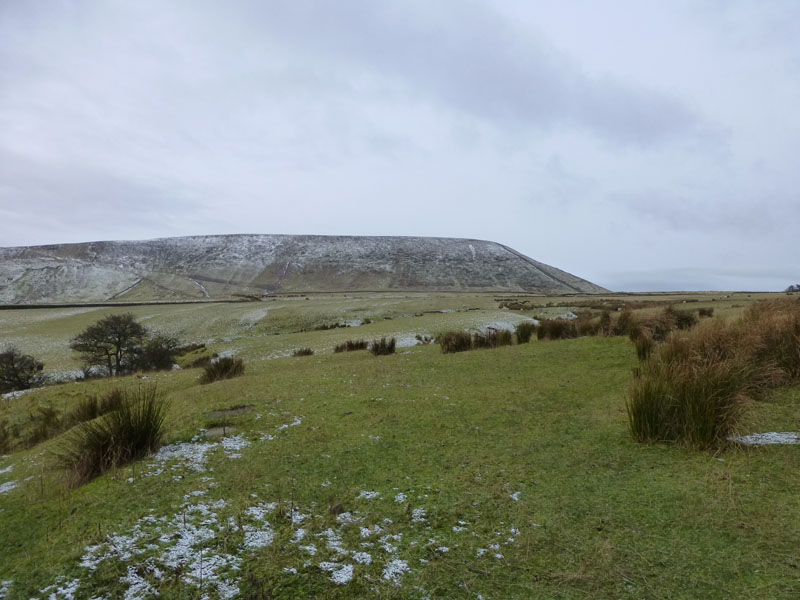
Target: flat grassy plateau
column 498, row 473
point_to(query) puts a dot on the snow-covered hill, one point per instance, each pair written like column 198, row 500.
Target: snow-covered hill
column 221, row 266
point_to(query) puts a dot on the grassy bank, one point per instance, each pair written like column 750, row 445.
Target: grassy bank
column 502, row 473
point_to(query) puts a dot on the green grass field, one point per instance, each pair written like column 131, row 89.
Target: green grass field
column 505, row 473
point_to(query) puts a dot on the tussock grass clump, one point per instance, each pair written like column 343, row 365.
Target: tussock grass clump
column 484, row 340
column 694, row 388
column 128, row 433
column 303, row 352
column 524, row 331
column 705, row 312
column 382, row 346
column 226, row 367
column 504, row 338
column 557, row 329
column 454, row 341
column 92, row 407
column 351, row 345
column 624, row 322
column 644, row 342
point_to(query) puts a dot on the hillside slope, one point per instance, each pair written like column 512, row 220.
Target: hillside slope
column 220, row 266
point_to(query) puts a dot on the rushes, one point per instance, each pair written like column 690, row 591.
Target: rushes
column 454, row 341
column 524, row 331
column 226, row 367
column 351, row 345
column 130, row 432
column 382, row 346
column 694, row 388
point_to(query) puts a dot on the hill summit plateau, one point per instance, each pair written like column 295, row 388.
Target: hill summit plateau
column 222, row 266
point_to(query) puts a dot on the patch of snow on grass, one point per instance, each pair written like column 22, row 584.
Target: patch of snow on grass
column 138, row 587
column 191, row 454
column 298, row 536
column 418, row 515
column 369, row 532
column 340, row 574
column 8, row 469
column 400, row 497
column 297, row 421
column 4, row 587
column 394, row 570
column 363, row 558
column 8, row 486
column 515, row 496
column 233, row 443
column 769, row 438
column 62, row 591
column 257, row 538
column 369, row 495
column 347, row 518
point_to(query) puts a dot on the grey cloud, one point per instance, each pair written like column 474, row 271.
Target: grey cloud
column 694, row 278
column 682, row 213
column 469, row 58
column 73, row 203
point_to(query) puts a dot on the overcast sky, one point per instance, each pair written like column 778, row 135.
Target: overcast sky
column 643, row 145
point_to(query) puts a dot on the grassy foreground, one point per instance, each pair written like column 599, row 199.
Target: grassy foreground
column 505, row 473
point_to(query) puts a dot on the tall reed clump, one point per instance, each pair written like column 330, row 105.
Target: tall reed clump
column 303, row 352
column 128, row 433
column 226, row 367
column 382, row 346
column 693, row 388
column 351, row 345
column 454, row 341
column 524, row 331
column 557, row 329
column 92, row 407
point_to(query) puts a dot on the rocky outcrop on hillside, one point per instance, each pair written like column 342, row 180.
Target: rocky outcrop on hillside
column 222, row 266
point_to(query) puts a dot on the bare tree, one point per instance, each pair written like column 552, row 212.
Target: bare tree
column 112, row 343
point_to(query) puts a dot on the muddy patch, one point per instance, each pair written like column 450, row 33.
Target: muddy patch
column 219, row 430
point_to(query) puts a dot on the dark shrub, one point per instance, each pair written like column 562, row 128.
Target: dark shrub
column 682, row 319
column 132, row 431
column 604, row 326
column 226, row 367
column 556, row 329
column 504, row 337
column 201, row 361
column 624, row 322
column 351, row 345
column 484, row 340
column 587, row 326
column 524, row 331
column 5, row 437
column 303, row 352
column 705, row 312
column 454, row 341
column 382, row 346
column 157, row 353
column 643, row 340
column 18, row 371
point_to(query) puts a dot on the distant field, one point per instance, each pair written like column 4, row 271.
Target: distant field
column 505, row 473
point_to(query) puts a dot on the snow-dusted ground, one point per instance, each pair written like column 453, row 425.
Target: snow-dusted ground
column 205, row 541
column 769, row 438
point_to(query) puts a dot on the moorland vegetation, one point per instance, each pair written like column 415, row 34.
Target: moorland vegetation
column 556, row 464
